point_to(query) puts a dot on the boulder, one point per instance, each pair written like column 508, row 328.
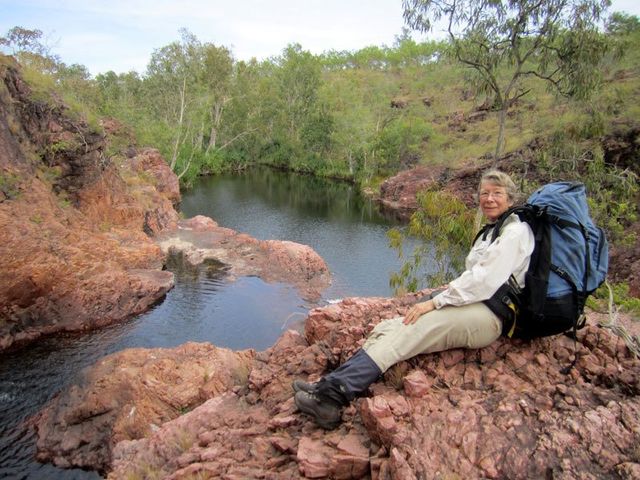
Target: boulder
column 200, row 238
column 398, row 193
column 129, row 395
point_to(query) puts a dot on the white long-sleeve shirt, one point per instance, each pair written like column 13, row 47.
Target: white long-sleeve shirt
column 490, row 264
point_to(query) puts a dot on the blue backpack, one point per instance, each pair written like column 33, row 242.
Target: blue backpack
column 569, row 261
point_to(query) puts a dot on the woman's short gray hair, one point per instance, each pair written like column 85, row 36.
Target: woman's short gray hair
column 501, row 179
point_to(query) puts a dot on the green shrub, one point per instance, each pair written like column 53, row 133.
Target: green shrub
column 445, row 227
column 399, row 143
column 10, row 185
column 621, row 299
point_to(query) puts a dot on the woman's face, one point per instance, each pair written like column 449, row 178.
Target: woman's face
column 494, row 200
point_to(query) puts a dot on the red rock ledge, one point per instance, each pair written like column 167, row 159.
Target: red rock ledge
column 505, row 411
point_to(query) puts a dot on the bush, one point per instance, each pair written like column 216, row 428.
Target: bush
column 621, row 298
column 399, row 143
column 445, row 226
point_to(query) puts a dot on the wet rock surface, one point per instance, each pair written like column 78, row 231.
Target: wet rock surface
column 505, row 411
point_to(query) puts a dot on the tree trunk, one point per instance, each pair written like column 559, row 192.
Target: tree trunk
column 502, row 118
column 176, row 145
column 216, row 117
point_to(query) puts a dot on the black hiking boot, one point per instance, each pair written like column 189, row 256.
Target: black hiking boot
column 325, row 412
column 302, row 386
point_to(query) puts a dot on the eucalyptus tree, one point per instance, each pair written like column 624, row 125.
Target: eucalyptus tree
column 20, row 39
column 505, row 42
column 217, row 79
column 295, row 77
column 173, row 93
column 621, row 23
column 30, row 49
column 244, row 117
column 298, row 81
column 122, row 96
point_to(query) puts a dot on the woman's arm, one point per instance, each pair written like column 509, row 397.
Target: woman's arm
column 490, row 267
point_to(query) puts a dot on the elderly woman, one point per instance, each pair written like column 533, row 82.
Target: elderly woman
column 457, row 317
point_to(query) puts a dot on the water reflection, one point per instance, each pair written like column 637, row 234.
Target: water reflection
column 345, row 228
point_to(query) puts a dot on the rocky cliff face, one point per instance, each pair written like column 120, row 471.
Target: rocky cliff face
column 74, row 250
column 505, row 411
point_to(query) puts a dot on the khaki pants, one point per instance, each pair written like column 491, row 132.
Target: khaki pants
column 468, row 326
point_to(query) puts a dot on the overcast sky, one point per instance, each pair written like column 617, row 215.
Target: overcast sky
column 120, row 35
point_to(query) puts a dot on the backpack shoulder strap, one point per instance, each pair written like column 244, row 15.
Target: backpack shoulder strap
column 482, row 232
column 526, row 213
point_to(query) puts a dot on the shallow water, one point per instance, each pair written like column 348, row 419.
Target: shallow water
column 344, row 228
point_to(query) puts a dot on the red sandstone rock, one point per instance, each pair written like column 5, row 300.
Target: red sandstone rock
column 506, row 411
column 72, row 229
column 416, row 384
column 166, row 182
column 398, row 193
column 200, row 238
column 129, row 395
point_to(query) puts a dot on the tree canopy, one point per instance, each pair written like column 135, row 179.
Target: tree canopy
column 504, row 42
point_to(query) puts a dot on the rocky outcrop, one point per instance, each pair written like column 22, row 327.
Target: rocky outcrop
column 74, row 252
column 506, row 411
column 398, row 193
column 129, row 395
column 139, row 195
column 200, row 238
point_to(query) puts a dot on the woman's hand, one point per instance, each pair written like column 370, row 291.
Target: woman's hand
column 417, row 311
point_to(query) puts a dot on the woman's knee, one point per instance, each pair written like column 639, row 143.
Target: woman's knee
column 470, row 326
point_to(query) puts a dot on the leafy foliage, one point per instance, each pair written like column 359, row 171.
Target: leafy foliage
column 9, row 186
column 446, row 225
column 621, row 298
column 555, row 40
column 366, row 114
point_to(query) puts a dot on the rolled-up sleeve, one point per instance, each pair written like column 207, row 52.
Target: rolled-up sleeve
column 490, row 266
